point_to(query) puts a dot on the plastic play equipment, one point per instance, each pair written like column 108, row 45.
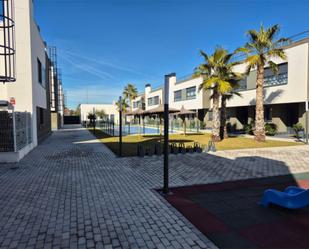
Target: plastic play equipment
column 292, row 197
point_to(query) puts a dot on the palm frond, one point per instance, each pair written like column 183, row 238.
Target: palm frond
column 272, row 31
column 273, row 66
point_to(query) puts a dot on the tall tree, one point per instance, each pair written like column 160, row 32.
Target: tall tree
column 130, row 93
column 262, row 47
column 123, row 104
column 100, row 113
column 218, row 78
column 223, row 113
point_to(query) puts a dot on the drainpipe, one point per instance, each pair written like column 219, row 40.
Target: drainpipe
column 306, row 121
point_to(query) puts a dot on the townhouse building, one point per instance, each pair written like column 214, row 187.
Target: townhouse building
column 286, row 93
column 183, row 92
column 30, row 122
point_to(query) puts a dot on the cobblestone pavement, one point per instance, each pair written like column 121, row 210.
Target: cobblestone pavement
column 223, row 166
column 72, row 192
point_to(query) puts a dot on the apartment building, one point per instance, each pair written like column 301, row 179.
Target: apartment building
column 30, row 92
column 285, row 93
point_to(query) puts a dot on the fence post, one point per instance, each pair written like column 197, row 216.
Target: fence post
column 14, row 131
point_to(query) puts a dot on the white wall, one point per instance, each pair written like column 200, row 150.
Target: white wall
column 296, row 89
column 190, row 104
column 152, row 93
column 27, row 92
column 138, row 98
column 109, row 109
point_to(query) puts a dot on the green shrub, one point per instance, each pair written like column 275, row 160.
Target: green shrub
column 248, row 128
column 298, row 128
column 270, row 129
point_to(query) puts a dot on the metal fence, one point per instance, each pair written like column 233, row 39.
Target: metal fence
column 149, row 126
column 15, row 131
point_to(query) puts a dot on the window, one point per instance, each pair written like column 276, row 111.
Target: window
column 268, row 114
column 112, row 117
column 41, row 110
column 43, row 76
column 177, row 95
column 185, row 94
column 210, row 116
column 153, row 100
column 137, row 104
column 40, row 79
column 191, row 93
column 281, row 78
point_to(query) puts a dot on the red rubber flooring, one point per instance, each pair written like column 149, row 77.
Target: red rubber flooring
column 229, row 213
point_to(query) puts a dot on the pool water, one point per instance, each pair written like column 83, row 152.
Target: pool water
column 132, row 130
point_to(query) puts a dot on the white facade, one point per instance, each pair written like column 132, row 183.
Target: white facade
column 138, row 102
column 28, row 92
column 109, row 109
column 296, row 88
column 153, row 97
column 184, row 93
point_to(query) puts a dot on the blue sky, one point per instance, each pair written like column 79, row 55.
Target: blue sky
column 105, row 44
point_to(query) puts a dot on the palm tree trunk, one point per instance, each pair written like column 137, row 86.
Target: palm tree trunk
column 216, row 118
column 184, row 126
column 259, row 133
column 223, row 129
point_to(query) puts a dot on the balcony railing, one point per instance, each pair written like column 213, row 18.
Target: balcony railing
column 276, row 79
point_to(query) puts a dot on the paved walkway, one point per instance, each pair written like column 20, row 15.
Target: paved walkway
column 72, row 192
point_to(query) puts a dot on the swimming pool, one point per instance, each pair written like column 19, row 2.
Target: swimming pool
column 133, row 130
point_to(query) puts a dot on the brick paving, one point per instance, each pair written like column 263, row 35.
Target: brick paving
column 72, row 192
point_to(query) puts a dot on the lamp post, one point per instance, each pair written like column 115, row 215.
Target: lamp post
column 120, row 126
column 165, row 146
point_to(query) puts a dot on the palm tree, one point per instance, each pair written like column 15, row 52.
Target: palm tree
column 100, row 113
column 129, row 92
column 262, row 46
column 223, row 117
column 219, row 78
column 124, row 105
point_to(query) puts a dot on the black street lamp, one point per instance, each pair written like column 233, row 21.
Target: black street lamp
column 166, row 139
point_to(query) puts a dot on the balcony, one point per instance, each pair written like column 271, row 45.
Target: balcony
column 276, row 80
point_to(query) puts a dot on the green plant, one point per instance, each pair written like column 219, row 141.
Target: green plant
column 248, row 128
column 270, row 129
column 220, row 79
column 298, row 128
column 261, row 48
column 202, row 125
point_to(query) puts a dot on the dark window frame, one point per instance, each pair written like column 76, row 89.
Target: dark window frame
column 40, row 74
column 189, row 97
column 177, row 98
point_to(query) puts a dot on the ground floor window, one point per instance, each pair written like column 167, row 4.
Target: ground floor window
column 268, row 114
column 41, row 116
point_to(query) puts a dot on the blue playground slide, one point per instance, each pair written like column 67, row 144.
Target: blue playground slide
column 291, row 198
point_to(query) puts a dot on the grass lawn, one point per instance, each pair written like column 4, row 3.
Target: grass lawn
column 130, row 143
